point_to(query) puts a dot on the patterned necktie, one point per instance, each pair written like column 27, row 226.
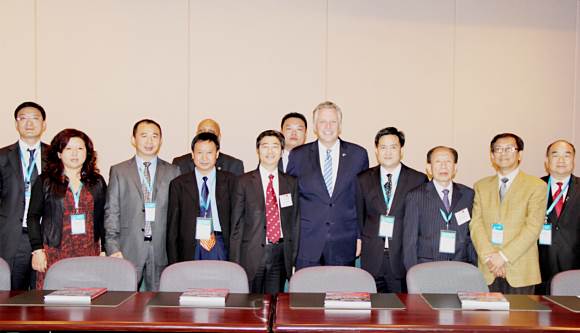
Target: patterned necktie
column 560, row 203
column 503, row 188
column 446, row 200
column 388, row 189
column 31, row 161
column 147, row 196
column 205, row 211
column 328, row 172
column 272, row 213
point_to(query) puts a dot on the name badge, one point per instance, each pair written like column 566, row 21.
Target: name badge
column 203, row 228
column 546, row 235
column 462, row 216
column 77, row 222
column 497, row 233
column 26, row 205
column 386, row 226
column 447, row 241
column 149, row 212
column 285, row 200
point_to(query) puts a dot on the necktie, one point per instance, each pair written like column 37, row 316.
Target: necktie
column 272, row 213
column 205, row 211
column 388, row 189
column 31, row 161
column 503, row 188
column 446, row 200
column 328, row 172
column 560, row 203
column 147, row 196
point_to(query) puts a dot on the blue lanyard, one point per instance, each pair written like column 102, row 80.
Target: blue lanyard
column 447, row 218
column 76, row 195
column 389, row 203
column 30, row 168
column 555, row 201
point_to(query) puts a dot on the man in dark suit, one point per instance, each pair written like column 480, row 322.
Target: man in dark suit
column 20, row 165
column 135, row 211
column 559, row 241
column 294, row 127
column 198, row 217
column 265, row 219
column 381, row 203
column 224, row 162
column 437, row 215
column 326, row 170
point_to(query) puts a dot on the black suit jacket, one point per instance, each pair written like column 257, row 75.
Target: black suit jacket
column 183, row 210
column 249, row 222
column 224, row 162
column 12, row 197
column 564, row 253
column 423, row 224
column 371, row 205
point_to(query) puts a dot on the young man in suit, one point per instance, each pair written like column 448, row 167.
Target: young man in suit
column 294, row 128
column 508, row 214
column 224, row 162
column 198, row 217
column 136, row 208
column 20, row 165
column 265, row 219
column 559, row 243
column 326, row 170
column 437, row 215
column 381, row 202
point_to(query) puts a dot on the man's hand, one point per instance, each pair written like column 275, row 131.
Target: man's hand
column 39, row 263
column 117, row 254
column 496, row 264
column 358, row 247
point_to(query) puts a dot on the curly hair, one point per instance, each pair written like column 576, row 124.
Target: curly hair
column 55, row 168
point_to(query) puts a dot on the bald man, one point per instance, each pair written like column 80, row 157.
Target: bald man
column 224, row 162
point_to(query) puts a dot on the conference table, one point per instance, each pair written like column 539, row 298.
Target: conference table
column 134, row 314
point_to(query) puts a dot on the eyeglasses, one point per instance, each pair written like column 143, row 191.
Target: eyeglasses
column 33, row 118
column 508, row 149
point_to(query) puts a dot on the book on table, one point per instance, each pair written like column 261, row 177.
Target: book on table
column 74, row 295
column 347, row 300
column 207, row 297
column 483, row 301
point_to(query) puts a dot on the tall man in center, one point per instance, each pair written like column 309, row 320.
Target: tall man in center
column 326, row 170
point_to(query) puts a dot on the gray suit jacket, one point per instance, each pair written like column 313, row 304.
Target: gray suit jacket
column 125, row 211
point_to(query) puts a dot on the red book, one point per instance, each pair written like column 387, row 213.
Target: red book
column 74, row 295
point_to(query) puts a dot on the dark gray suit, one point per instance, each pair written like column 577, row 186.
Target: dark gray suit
column 125, row 217
column 224, row 162
column 423, row 224
column 12, row 239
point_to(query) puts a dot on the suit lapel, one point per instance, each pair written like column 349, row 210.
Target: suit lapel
column 343, row 167
column 283, row 188
column 402, row 184
column 508, row 195
column 134, row 176
column 573, row 191
column 315, row 158
column 158, row 178
column 455, row 197
column 377, row 186
column 435, row 196
column 16, row 164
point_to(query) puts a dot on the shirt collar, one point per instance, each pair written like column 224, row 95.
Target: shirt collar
column 24, row 146
column 440, row 188
column 322, row 148
column 265, row 173
column 140, row 161
column 210, row 177
column 395, row 174
column 510, row 176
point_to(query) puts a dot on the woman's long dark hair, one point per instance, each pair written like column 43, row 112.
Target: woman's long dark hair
column 54, row 169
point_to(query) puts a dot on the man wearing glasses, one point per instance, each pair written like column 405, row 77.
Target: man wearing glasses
column 508, row 214
column 20, row 165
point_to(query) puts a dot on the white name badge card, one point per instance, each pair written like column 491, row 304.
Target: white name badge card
column 285, row 200
column 462, row 216
column 386, row 225
column 447, row 241
column 203, row 228
column 497, row 233
column 77, row 222
column 546, row 235
column 149, row 211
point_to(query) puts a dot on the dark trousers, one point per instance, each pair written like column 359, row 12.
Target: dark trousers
column 324, row 260
column 385, row 279
column 271, row 274
column 218, row 252
column 501, row 285
column 22, row 276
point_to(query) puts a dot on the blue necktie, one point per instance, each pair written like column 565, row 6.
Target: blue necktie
column 328, row 172
column 205, row 212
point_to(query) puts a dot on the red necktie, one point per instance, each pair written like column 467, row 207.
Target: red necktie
column 560, row 203
column 272, row 213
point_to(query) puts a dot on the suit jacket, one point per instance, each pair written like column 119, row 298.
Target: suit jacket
column 564, row 253
column 224, row 162
column 522, row 213
column 125, row 211
column 327, row 220
column 12, row 197
column 184, row 209
column 423, row 225
column 371, row 205
column 249, row 222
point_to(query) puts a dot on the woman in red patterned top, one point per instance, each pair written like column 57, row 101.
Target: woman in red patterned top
column 69, row 199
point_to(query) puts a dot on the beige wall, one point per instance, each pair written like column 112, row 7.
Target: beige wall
column 446, row 72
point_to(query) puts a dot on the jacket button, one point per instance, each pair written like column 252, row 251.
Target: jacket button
column 262, row 244
column 327, row 223
column 143, row 210
column 330, row 205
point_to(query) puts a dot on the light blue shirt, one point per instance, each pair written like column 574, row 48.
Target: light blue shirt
column 394, row 181
column 141, row 170
column 212, row 201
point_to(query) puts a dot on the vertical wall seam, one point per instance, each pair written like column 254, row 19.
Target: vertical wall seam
column 35, row 50
column 454, row 74
column 575, row 84
column 325, row 67
column 188, row 129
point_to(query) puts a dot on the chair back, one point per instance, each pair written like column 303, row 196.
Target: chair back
column 323, row 279
column 445, row 277
column 204, row 274
column 566, row 283
column 4, row 275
